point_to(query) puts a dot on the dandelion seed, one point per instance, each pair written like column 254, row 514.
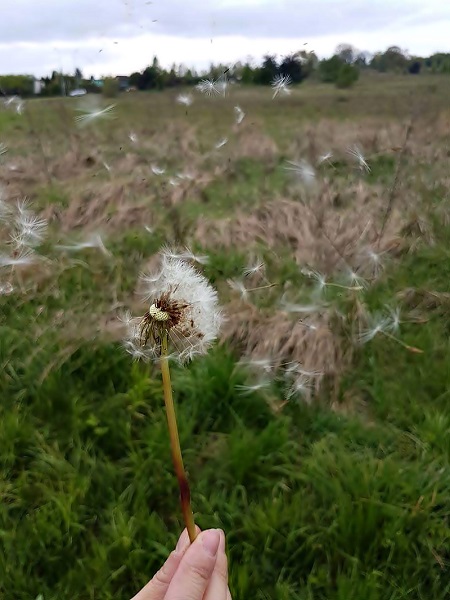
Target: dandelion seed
column 358, row 155
column 325, row 157
column 292, row 307
column 3, row 149
column 158, row 170
column 394, row 320
column 250, row 389
column 173, row 182
column 107, row 167
column 356, row 280
column 93, row 241
column 374, row 261
column 301, row 386
column 91, row 115
column 8, row 101
column 189, row 255
column 238, row 286
column 5, row 209
column 19, row 106
column 239, row 114
column 6, row 289
column 221, row 143
column 187, row 175
column 265, row 364
column 185, row 99
column 136, row 351
column 313, row 274
column 257, row 267
column 209, row 87
column 281, row 83
column 149, row 229
column 30, row 229
column 133, row 137
column 378, row 324
column 304, row 170
column 19, row 259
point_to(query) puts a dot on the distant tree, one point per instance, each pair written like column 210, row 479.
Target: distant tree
column 292, row 67
column 414, row 67
column 347, row 53
column 329, row 69
column 268, row 70
column 347, row 76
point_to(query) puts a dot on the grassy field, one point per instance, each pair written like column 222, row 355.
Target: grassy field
column 317, row 432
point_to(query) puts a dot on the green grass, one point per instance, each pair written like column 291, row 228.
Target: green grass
column 350, row 502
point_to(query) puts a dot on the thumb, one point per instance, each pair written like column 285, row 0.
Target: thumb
column 196, row 568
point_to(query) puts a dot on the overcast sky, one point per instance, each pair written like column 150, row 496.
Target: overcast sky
column 120, row 36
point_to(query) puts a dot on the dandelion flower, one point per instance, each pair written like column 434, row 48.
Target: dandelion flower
column 183, row 312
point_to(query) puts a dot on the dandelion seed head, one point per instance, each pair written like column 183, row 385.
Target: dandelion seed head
column 182, row 304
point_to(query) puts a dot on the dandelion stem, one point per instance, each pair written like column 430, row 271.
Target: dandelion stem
column 395, row 339
column 185, row 494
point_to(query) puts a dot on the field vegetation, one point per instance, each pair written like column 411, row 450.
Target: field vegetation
column 316, row 433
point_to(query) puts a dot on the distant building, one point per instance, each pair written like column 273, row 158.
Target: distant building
column 38, row 86
column 124, row 82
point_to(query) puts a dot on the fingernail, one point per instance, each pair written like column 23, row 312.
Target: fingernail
column 182, row 542
column 211, row 541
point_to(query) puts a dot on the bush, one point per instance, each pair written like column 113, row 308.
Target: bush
column 110, row 87
column 347, row 76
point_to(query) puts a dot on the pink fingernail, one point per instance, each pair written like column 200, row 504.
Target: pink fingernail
column 211, row 541
column 182, row 542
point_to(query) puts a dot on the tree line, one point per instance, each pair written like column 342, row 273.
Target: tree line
column 342, row 69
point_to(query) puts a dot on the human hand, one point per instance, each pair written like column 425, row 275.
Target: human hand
column 197, row 571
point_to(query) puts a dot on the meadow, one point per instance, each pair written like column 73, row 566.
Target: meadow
column 316, row 432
